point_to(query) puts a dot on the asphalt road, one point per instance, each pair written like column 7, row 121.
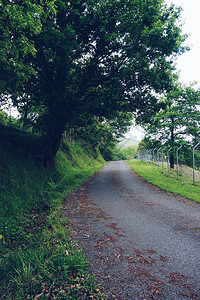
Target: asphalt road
column 142, row 243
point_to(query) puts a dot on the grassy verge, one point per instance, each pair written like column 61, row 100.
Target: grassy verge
column 38, row 259
column 182, row 187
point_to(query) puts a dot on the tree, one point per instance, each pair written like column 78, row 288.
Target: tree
column 101, row 58
column 178, row 120
column 20, row 21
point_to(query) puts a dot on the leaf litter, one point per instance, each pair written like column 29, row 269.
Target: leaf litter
column 123, row 270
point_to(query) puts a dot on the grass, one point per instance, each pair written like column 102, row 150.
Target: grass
column 38, row 259
column 183, row 186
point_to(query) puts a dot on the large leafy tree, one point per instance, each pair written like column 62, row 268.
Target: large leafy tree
column 178, row 120
column 101, row 58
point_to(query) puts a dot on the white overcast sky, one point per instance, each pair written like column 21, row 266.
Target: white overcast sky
column 189, row 62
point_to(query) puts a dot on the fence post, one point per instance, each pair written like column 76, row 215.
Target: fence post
column 142, row 155
column 145, row 155
column 153, row 155
column 158, row 156
column 163, row 159
column 147, row 161
column 194, row 162
column 177, row 161
column 168, row 160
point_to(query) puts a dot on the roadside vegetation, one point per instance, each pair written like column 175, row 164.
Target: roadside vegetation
column 38, row 259
column 183, row 186
column 128, row 152
column 86, row 66
column 77, row 73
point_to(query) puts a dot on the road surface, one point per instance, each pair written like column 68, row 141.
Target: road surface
column 142, row 243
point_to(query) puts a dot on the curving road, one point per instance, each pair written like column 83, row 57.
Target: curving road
column 142, row 243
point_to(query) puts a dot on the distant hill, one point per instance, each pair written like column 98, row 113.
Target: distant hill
column 129, row 140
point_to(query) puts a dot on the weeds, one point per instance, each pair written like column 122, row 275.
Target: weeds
column 38, row 258
column 55, row 267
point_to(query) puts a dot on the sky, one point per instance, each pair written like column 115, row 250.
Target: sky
column 188, row 63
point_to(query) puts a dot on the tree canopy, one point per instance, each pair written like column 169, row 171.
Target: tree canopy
column 178, row 121
column 79, row 60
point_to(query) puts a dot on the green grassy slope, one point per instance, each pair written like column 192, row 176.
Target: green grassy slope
column 183, row 186
column 37, row 257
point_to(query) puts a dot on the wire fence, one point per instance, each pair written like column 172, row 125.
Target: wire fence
column 160, row 157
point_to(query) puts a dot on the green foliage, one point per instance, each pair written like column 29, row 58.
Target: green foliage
column 182, row 187
column 129, row 152
column 16, row 195
column 19, row 23
column 178, row 119
column 146, row 143
column 112, row 152
column 8, row 121
column 13, row 137
column 101, row 136
column 87, row 59
column 50, row 267
column 4, row 119
column 37, row 184
column 38, row 258
column 176, row 123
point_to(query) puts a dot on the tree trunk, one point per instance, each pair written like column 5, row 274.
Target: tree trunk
column 54, row 137
column 171, row 159
column 25, row 118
